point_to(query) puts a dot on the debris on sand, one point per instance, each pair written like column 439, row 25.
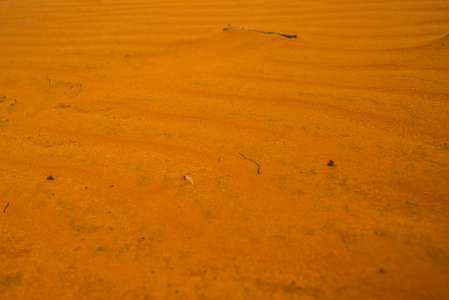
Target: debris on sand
column 187, row 178
column 261, row 31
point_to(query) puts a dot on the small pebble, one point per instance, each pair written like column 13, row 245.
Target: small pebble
column 330, row 163
column 187, row 178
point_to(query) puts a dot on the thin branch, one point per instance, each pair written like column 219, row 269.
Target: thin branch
column 258, row 169
column 266, row 32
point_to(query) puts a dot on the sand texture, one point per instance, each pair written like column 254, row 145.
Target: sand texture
column 145, row 153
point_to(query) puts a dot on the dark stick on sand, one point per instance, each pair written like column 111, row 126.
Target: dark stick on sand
column 266, row 32
column 258, row 169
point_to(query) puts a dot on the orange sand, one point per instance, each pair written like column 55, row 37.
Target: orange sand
column 117, row 99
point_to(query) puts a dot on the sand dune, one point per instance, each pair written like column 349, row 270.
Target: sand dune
column 116, row 100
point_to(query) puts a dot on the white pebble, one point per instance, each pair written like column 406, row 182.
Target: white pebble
column 187, row 178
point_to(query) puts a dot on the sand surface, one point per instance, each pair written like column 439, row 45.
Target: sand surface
column 118, row 100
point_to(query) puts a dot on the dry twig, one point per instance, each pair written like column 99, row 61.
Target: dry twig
column 261, row 31
column 258, row 169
